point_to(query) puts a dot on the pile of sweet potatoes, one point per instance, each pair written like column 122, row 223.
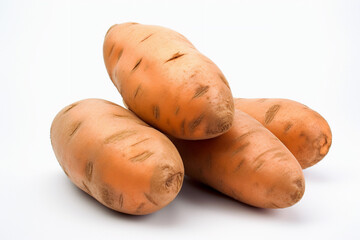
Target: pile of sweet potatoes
column 182, row 119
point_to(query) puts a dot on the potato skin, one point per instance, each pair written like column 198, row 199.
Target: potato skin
column 247, row 163
column 302, row 130
column 115, row 157
column 165, row 81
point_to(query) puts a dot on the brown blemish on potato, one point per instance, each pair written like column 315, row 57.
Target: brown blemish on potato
column 259, row 162
column 324, row 144
column 223, row 79
column 201, row 90
column 122, row 116
column 261, row 100
column 107, row 197
column 299, row 183
column 140, row 142
column 111, row 50
column 89, row 170
column 121, row 200
column 141, row 156
column 136, row 65
column 287, row 127
column 196, row 122
column 150, row 199
column 245, row 135
column 137, row 91
column 220, row 125
column 177, row 110
column 86, row 188
column 175, row 56
column 120, row 54
column 238, row 166
column 74, row 128
column 279, row 154
column 156, row 112
column 271, row 112
column 240, row 148
column 146, row 37
column 166, row 179
column 70, row 107
column 118, row 136
column 138, row 209
column 273, row 205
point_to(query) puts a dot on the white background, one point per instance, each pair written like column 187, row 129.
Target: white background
column 51, row 56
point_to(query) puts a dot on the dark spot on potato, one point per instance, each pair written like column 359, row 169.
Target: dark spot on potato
column 177, row 110
column 111, row 50
column 136, row 65
column 287, row 127
column 271, row 112
column 118, row 136
column 201, row 90
column 261, row 100
column 156, row 112
column 166, row 179
column 299, row 183
column 259, row 161
column 70, row 107
column 220, row 125
column 141, row 157
column 150, row 199
column 196, row 122
column 273, row 205
column 107, row 197
column 223, row 79
column 240, row 148
column 120, row 54
column 86, row 188
column 121, row 200
column 140, row 142
column 175, row 56
column 238, row 166
column 146, row 37
column 296, row 196
column 245, row 135
column 137, row 91
column 280, row 154
column 122, row 116
column 259, row 164
column 74, row 128
column 89, row 170
column 138, row 209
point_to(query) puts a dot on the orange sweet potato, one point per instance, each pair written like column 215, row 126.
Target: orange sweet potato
column 168, row 83
column 247, row 163
column 115, row 157
column 303, row 131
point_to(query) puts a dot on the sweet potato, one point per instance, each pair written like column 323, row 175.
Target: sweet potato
column 115, row 157
column 247, row 163
column 303, row 131
column 168, row 83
